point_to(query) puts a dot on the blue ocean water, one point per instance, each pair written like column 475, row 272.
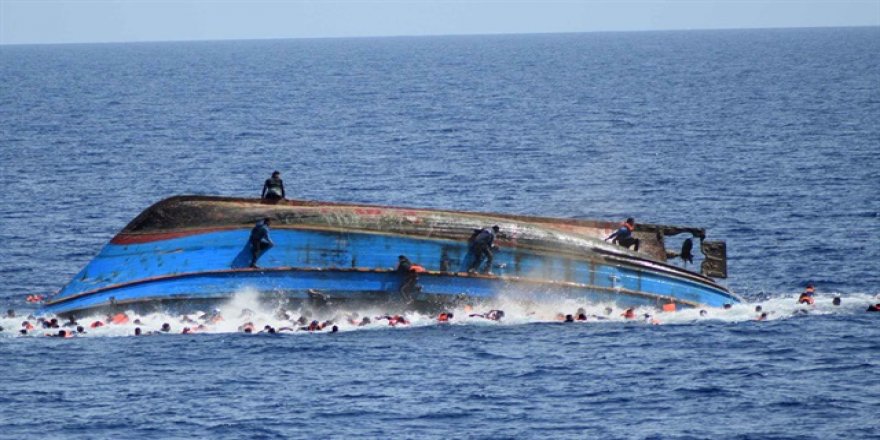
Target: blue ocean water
column 769, row 138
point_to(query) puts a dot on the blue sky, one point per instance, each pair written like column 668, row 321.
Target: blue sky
column 66, row 21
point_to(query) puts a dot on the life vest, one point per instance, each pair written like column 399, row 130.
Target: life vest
column 34, row 298
column 119, row 318
column 417, row 269
column 96, row 324
column 629, row 314
column 443, row 317
column 806, row 299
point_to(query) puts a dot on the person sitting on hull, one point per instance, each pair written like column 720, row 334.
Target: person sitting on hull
column 623, row 236
column 259, row 240
column 273, row 188
column 482, row 243
column 410, row 273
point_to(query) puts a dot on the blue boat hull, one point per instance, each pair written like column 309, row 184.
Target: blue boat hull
column 211, row 265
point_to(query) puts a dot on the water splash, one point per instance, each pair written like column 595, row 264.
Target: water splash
column 245, row 307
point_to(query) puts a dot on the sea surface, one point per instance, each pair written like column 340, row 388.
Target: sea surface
column 768, row 138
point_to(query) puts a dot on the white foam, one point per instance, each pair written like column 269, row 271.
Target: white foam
column 519, row 308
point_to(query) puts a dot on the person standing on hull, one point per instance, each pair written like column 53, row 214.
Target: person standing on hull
column 482, row 244
column 273, row 188
column 260, row 241
column 623, row 236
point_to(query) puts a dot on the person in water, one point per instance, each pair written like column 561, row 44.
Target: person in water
column 410, row 273
column 494, row 315
column 482, row 242
column 273, row 188
column 259, row 240
column 807, row 295
column 623, row 236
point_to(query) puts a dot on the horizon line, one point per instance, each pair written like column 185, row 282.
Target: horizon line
column 487, row 34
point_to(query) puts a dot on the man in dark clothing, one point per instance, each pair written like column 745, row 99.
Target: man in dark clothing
column 482, row 243
column 623, row 236
column 410, row 273
column 260, row 241
column 273, row 188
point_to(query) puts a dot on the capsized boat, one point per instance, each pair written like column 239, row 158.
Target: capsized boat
column 191, row 250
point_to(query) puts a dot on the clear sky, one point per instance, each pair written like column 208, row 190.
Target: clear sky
column 75, row 21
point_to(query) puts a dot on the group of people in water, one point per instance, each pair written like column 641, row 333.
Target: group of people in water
column 204, row 322
column 186, row 324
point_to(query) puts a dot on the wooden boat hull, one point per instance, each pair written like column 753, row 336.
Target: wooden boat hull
column 192, row 248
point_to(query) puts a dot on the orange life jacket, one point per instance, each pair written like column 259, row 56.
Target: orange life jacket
column 806, row 299
column 417, row 269
column 119, row 318
column 443, row 317
column 629, row 314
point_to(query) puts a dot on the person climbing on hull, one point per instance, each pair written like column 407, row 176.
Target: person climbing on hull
column 482, row 242
column 410, row 272
column 260, row 241
column 623, row 236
